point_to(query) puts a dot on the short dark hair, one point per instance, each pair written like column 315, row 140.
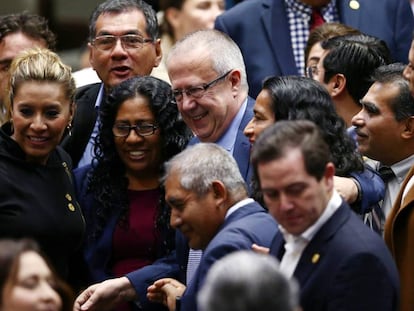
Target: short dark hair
column 31, row 25
column 356, row 57
column 277, row 140
column 120, row 6
column 327, row 31
column 402, row 105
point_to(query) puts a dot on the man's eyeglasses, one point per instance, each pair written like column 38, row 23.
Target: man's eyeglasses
column 123, row 130
column 197, row 91
column 312, row 71
column 128, row 42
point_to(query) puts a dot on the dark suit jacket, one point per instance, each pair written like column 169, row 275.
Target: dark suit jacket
column 249, row 224
column 96, row 254
column 83, row 122
column 175, row 264
column 241, row 151
column 346, row 266
column 261, row 29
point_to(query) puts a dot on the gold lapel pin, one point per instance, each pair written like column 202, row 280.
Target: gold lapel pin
column 315, row 258
column 354, row 4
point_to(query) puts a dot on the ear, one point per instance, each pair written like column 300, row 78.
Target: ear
column 235, row 79
column 158, row 52
column 72, row 109
column 408, row 128
column 220, row 192
column 91, row 59
column 173, row 17
column 337, row 85
column 329, row 175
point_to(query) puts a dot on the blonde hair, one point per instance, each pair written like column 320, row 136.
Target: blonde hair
column 39, row 64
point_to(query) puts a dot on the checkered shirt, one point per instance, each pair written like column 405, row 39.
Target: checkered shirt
column 299, row 17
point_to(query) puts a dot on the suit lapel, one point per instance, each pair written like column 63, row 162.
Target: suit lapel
column 241, row 151
column 316, row 249
column 276, row 24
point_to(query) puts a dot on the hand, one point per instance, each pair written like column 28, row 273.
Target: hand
column 166, row 291
column 105, row 295
column 346, row 188
column 260, row 249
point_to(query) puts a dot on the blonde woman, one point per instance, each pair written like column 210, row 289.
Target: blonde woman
column 37, row 197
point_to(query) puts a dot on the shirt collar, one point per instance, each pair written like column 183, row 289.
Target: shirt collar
column 99, row 97
column 306, row 10
column 229, row 137
column 239, row 204
column 334, row 203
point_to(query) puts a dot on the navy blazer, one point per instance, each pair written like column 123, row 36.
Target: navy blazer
column 261, row 30
column 249, row 224
column 175, row 264
column 346, row 266
column 241, row 151
column 98, row 253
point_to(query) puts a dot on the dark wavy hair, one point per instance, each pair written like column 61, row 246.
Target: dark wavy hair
column 107, row 180
column 301, row 98
column 32, row 25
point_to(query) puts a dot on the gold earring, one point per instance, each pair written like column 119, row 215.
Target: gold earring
column 69, row 129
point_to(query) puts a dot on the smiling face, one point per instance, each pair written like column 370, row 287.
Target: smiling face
column 140, row 154
column 194, row 15
column 198, row 218
column 376, row 126
column 40, row 113
column 34, row 287
column 210, row 115
column 117, row 64
column 264, row 116
column 409, row 69
column 294, row 198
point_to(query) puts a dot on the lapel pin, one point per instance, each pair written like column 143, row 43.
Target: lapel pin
column 354, row 4
column 315, row 258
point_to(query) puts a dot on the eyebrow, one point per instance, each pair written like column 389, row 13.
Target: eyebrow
column 126, row 32
column 369, row 106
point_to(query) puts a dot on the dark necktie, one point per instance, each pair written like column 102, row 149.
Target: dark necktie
column 316, row 19
column 386, row 173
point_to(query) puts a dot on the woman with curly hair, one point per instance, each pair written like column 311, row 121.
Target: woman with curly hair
column 126, row 217
column 300, row 98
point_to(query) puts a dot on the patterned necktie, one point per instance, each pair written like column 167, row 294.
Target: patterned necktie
column 386, row 173
column 316, row 19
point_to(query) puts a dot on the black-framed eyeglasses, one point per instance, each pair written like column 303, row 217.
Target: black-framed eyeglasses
column 128, row 42
column 123, row 130
column 197, row 91
column 312, row 71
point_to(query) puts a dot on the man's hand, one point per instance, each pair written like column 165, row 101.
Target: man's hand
column 105, row 295
column 166, row 291
column 346, row 188
column 260, row 249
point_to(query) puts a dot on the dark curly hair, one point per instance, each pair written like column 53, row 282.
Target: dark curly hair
column 33, row 26
column 107, row 180
column 301, row 98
